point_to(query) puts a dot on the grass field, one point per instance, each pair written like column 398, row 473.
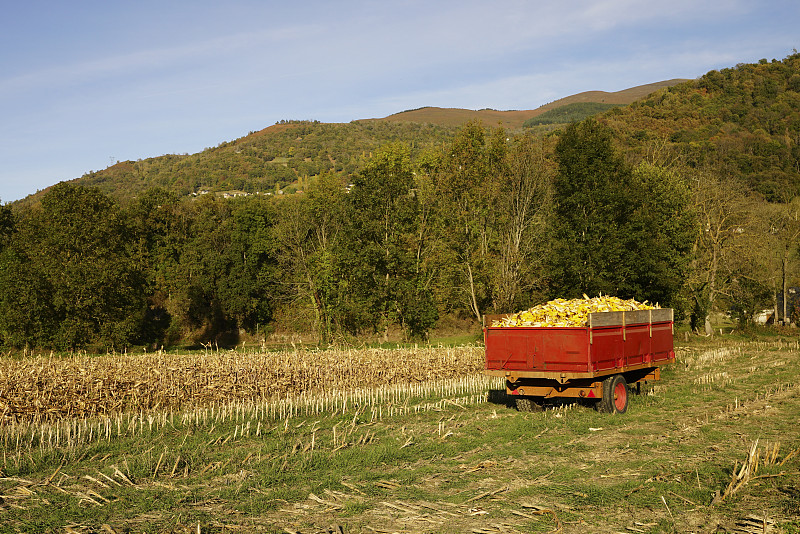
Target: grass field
column 713, row 447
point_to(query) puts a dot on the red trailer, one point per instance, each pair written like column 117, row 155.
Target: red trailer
column 595, row 363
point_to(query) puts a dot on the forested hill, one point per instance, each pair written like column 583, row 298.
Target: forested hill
column 286, row 154
column 265, row 161
column 743, row 121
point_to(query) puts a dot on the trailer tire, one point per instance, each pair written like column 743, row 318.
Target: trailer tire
column 615, row 395
column 528, row 404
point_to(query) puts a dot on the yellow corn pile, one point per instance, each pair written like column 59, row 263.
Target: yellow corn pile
column 569, row 313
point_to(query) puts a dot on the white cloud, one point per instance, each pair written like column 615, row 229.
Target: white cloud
column 146, row 61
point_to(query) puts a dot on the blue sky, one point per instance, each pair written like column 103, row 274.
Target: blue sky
column 84, row 84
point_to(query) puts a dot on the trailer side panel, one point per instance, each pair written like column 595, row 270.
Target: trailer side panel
column 612, row 343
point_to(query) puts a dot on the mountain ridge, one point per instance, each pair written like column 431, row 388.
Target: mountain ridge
column 514, row 119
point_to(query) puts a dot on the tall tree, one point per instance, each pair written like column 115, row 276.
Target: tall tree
column 766, row 262
column 6, row 225
column 248, row 288
column 723, row 209
column 224, row 279
column 70, row 271
column 522, row 210
column 381, row 253
column 159, row 234
column 618, row 230
column 659, row 234
column 308, row 234
column 468, row 184
column 590, row 211
column 785, row 229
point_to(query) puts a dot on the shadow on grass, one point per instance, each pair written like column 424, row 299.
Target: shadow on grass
column 500, row 398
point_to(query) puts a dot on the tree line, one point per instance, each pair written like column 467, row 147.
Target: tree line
column 488, row 223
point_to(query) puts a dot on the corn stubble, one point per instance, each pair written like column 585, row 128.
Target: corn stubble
column 46, row 389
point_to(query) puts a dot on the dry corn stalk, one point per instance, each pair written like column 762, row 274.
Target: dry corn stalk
column 47, row 389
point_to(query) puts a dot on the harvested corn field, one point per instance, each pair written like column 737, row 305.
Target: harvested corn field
column 713, row 447
column 48, row 388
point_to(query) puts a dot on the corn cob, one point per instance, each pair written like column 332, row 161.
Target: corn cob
column 569, row 313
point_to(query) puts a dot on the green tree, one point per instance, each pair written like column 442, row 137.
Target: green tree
column 308, row 234
column 27, row 314
column 158, row 240
column 382, row 249
column 617, row 230
column 224, row 279
column 70, row 270
column 590, row 213
column 6, row 225
column 468, row 184
column 660, row 232
column 248, row 290
column 26, row 317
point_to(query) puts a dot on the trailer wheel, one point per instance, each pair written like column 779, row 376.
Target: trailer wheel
column 528, row 404
column 615, row 395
